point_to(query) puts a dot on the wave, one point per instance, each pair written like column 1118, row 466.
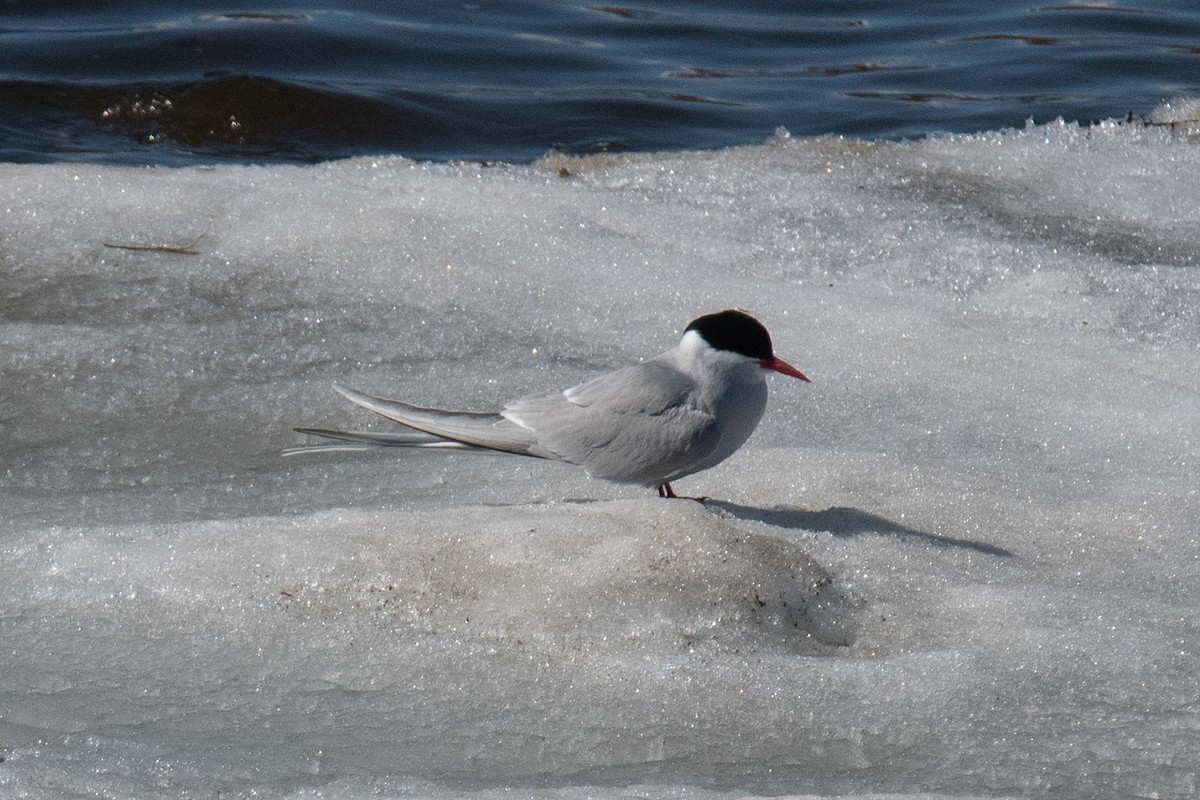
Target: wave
column 266, row 119
column 234, row 116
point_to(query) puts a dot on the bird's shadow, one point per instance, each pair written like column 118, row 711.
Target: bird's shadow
column 843, row 521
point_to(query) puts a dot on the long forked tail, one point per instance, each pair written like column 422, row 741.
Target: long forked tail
column 433, row 428
column 366, row 440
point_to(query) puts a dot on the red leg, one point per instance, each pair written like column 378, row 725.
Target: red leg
column 665, row 490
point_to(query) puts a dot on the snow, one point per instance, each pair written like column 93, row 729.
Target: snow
column 963, row 562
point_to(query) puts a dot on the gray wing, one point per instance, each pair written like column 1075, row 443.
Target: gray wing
column 637, row 425
column 486, row 431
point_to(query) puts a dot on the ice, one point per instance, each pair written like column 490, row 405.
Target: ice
column 963, row 562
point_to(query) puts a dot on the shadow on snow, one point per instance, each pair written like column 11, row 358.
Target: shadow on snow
column 844, row 521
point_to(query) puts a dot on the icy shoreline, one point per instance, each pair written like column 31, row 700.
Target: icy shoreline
column 964, row 562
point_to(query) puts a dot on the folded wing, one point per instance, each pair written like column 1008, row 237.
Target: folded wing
column 637, row 425
column 487, row 431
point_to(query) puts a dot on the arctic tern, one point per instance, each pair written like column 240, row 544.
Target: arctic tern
column 648, row 424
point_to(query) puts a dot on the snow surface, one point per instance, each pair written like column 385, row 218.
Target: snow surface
column 962, row 562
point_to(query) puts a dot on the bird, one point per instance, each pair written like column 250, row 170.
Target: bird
column 647, row 424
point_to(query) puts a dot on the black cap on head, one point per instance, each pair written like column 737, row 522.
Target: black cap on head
column 735, row 331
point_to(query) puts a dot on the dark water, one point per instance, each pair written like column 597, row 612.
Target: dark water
column 178, row 83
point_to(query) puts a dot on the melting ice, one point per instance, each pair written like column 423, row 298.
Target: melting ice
column 962, row 562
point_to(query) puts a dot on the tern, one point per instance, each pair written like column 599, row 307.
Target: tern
column 648, row 424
